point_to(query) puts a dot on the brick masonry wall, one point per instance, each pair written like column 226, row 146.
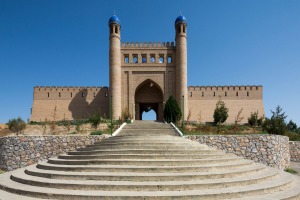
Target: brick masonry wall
column 295, row 150
column 21, row 151
column 271, row 150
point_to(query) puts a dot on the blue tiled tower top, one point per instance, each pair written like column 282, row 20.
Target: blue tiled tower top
column 115, row 20
column 180, row 19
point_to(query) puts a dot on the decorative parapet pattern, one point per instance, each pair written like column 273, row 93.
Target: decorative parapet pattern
column 295, row 150
column 129, row 45
column 21, row 151
column 271, row 150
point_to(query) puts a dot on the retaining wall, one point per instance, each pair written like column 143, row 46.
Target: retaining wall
column 21, row 151
column 271, row 150
column 295, row 150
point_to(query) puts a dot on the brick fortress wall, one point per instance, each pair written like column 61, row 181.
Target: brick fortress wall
column 69, row 102
column 203, row 99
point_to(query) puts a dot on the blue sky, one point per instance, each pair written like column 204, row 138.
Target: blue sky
column 230, row 42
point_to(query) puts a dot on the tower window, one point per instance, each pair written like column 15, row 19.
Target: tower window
column 202, row 94
column 111, row 29
column 225, row 94
column 169, row 59
column 152, row 59
column 214, row 94
column 71, row 94
column 191, row 94
column 116, row 29
column 178, row 29
column 135, row 59
column 183, row 29
column 94, row 94
column 161, row 59
column 237, row 94
column 48, row 94
column 126, row 59
column 247, row 94
column 59, row 94
column 144, row 59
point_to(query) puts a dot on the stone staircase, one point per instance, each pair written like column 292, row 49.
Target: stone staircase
column 148, row 160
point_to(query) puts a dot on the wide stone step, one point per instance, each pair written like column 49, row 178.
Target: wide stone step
column 140, row 162
column 145, row 169
column 134, row 176
column 281, row 183
column 257, row 178
column 140, row 156
column 144, row 151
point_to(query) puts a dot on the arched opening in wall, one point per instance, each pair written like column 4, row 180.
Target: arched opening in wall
column 148, row 96
column 152, row 59
column 135, row 59
column 144, row 59
column 126, row 60
column 161, row 59
column 149, row 115
column 169, row 59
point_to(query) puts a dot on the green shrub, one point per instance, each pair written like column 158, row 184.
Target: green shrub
column 220, row 114
column 254, row 120
column 16, row 125
column 290, row 170
column 96, row 133
column 95, row 119
column 276, row 124
column 292, row 126
column 172, row 112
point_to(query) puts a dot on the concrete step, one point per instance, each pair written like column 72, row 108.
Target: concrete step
column 139, row 156
column 144, row 162
column 265, row 175
column 144, row 151
column 283, row 182
column 145, row 169
column 149, row 176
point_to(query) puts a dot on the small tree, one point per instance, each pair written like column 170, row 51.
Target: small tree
column 254, row 120
column 95, row 119
column 172, row 112
column 221, row 113
column 276, row 124
column 237, row 120
column 292, row 126
column 16, row 125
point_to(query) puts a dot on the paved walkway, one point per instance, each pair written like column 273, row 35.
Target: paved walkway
column 296, row 166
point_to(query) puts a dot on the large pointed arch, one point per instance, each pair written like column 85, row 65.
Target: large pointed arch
column 148, row 95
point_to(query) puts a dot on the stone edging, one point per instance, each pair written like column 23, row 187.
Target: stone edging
column 21, row 151
column 295, row 150
column 271, row 150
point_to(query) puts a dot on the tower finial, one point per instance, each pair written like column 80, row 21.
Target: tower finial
column 114, row 12
column 180, row 13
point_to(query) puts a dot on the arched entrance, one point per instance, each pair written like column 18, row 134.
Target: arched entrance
column 148, row 95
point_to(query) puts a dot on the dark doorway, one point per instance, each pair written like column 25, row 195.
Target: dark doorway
column 148, row 95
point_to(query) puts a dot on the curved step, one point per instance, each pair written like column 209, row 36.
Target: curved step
column 257, row 178
column 129, row 168
column 221, row 193
column 139, row 162
column 139, row 156
column 136, row 176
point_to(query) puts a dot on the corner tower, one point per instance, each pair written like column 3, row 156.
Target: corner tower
column 115, row 65
column 181, row 63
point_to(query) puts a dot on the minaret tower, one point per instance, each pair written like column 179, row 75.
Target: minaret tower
column 115, row 65
column 181, row 64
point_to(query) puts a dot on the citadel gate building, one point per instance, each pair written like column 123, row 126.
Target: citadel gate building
column 142, row 77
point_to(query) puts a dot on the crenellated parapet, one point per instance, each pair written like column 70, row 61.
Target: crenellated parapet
column 225, row 92
column 135, row 45
column 68, row 92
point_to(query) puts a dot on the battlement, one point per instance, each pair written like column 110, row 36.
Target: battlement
column 135, row 45
column 225, row 92
column 225, row 88
column 67, row 88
